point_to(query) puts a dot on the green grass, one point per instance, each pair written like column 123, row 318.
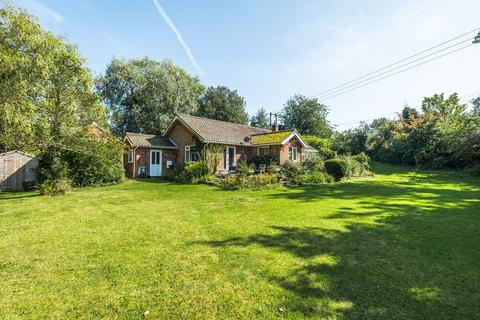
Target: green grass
column 400, row 245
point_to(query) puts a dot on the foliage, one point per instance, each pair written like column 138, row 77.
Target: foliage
column 243, row 168
column 84, row 160
column 312, row 178
column 442, row 135
column 476, row 106
column 291, row 170
column 357, row 166
column 322, row 145
column 194, row 172
column 221, row 103
column 307, row 115
column 338, row 168
column 260, row 119
column 46, row 90
column 55, row 187
column 477, row 38
column 314, row 162
column 143, row 95
column 211, row 155
column 266, row 159
column 254, row 182
column 474, row 170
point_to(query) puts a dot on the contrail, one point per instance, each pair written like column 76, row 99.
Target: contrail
column 171, row 25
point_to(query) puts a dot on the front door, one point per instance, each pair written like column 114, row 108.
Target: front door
column 155, row 163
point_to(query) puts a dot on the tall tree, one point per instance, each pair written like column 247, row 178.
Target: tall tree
column 307, row 115
column 143, row 95
column 221, row 103
column 45, row 89
column 476, row 106
column 260, row 119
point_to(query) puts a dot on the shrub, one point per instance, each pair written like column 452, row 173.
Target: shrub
column 268, row 160
column 322, row 145
column 338, row 168
column 312, row 178
column 314, row 162
column 291, row 170
column 194, row 172
column 474, row 170
column 243, row 169
column 84, row 161
column 358, row 165
column 55, row 187
column 362, row 158
column 254, row 182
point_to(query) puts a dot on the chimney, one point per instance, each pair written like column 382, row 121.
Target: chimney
column 275, row 124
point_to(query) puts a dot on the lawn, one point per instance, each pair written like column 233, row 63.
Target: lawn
column 401, row 245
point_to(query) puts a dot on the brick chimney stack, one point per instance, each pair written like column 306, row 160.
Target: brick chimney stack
column 275, row 124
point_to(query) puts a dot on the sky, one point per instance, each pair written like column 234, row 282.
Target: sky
column 270, row 50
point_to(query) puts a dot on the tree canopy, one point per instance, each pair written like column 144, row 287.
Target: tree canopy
column 260, row 119
column 221, row 103
column 443, row 135
column 307, row 115
column 476, row 106
column 143, row 95
column 45, row 89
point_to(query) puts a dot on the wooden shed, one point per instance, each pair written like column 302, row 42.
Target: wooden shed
column 17, row 169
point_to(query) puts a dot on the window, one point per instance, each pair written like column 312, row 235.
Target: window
column 229, row 157
column 292, row 153
column 264, row 151
column 130, row 156
column 187, row 153
column 190, row 154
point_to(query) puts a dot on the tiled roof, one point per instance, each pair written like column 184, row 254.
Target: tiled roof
column 149, row 140
column 271, row 137
column 219, row 131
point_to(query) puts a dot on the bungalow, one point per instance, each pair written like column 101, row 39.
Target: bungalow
column 153, row 155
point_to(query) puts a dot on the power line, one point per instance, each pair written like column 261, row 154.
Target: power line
column 397, row 62
column 396, row 68
column 395, row 73
column 395, row 113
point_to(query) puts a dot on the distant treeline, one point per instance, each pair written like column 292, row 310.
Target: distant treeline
column 442, row 134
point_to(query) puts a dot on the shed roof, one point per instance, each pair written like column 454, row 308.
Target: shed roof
column 19, row 152
column 149, row 141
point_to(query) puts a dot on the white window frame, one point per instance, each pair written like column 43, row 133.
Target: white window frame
column 190, row 151
column 292, row 153
column 130, row 156
column 187, row 150
column 264, row 148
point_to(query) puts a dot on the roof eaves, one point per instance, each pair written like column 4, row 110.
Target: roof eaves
column 294, row 134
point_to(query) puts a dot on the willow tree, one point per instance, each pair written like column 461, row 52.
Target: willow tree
column 45, row 89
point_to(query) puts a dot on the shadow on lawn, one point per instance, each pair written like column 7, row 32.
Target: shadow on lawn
column 17, row 195
column 418, row 260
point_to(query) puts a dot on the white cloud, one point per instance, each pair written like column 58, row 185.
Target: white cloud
column 179, row 36
column 41, row 10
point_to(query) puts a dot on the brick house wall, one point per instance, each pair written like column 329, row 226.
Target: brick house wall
column 142, row 158
column 284, row 155
column 182, row 137
column 168, row 155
